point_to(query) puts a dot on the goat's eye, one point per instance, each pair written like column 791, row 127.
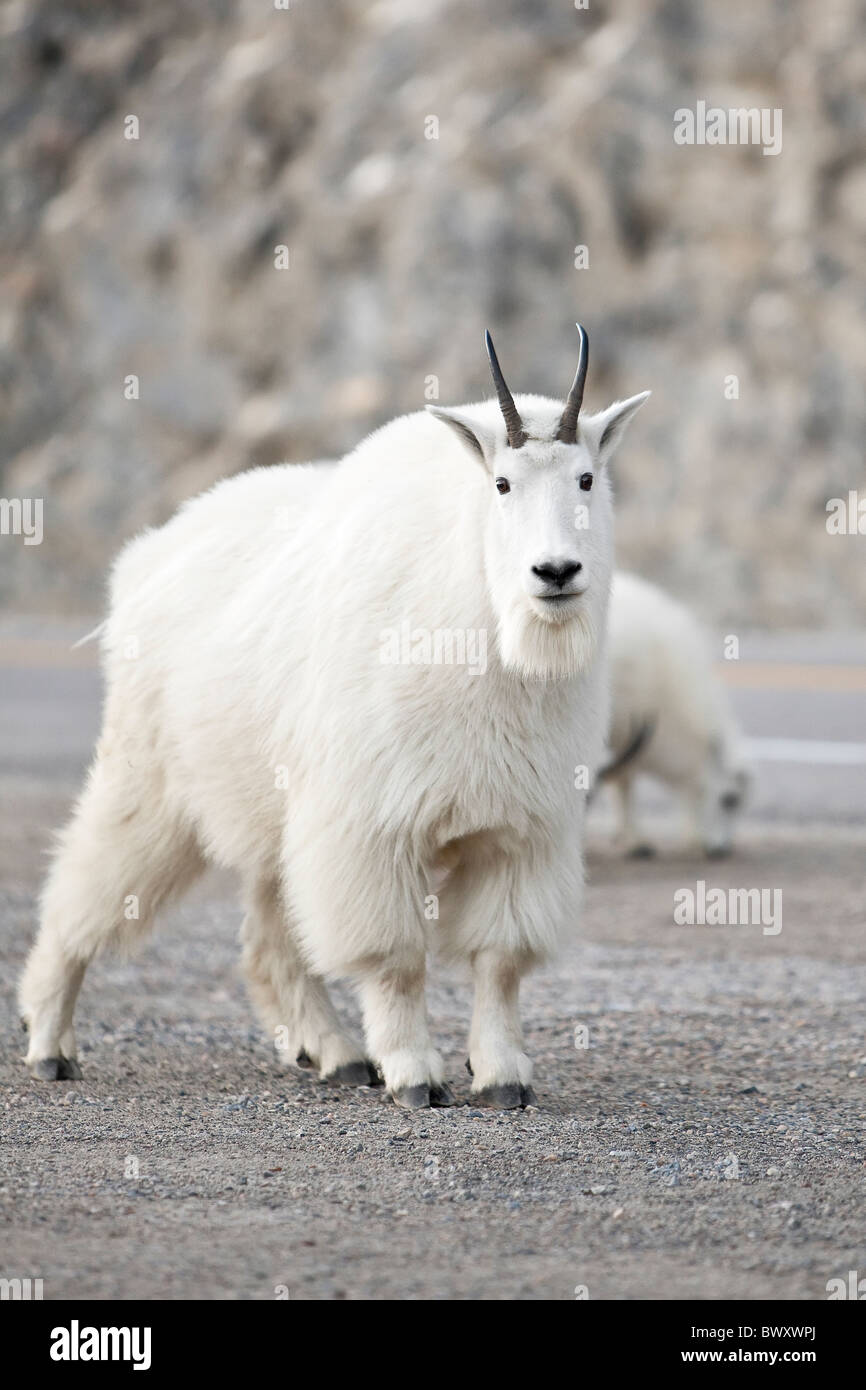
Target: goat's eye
column 503, row 485
column 585, row 481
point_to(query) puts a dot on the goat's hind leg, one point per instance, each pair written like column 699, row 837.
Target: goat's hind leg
column 121, row 855
column 293, row 1002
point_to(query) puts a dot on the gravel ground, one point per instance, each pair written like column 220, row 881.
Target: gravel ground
column 707, row 1143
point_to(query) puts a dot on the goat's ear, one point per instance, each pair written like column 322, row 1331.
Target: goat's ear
column 604, row 431
column 477, row 439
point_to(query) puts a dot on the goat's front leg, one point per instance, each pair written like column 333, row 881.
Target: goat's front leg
column 633, row 842
column 398, row 1039
column 501, row 1070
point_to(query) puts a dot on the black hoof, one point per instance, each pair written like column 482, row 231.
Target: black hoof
column 353, row 1074
column 412, row 1097
column 442, row 1096
column 56, row 1069
column 507, row 1096
column 527, row 1096
column 642, row 851
column 304, row 1060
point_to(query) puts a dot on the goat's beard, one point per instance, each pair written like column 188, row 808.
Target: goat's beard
column 539, row 649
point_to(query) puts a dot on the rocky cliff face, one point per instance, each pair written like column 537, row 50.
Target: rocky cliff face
column 431, row 167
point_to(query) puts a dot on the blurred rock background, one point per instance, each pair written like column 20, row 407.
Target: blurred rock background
column 308, row 128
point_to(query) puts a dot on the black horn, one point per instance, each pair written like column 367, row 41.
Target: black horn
column 567, row 431
column 513, row 423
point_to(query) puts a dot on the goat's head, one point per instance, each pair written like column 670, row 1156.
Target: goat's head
column 549, row 540
column 719, row 795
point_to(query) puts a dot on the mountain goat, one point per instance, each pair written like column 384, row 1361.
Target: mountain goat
column 670, row 716
column 275, row 704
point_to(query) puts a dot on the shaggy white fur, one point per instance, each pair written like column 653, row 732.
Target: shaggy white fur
column 663, row 683
column 253, row 721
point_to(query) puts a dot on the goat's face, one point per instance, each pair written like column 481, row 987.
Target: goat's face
column 548, row 547
column 724, row 789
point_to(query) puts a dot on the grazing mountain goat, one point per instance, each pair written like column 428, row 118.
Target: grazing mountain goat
column 670, row 716
column 284, row 698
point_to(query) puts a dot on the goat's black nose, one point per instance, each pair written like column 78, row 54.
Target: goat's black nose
column 557, row 572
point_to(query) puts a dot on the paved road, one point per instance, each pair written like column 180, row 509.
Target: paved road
column 708, row 1141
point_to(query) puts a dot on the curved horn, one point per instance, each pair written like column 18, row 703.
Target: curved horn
column 567, row 431
column 513, row 423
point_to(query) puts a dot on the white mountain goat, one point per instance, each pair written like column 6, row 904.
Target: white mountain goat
column 285, row 697
column 670, row 716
